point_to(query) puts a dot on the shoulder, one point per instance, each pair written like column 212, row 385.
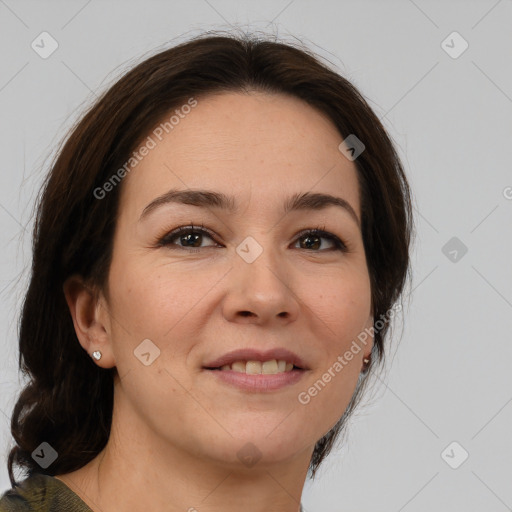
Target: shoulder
column 41, row 493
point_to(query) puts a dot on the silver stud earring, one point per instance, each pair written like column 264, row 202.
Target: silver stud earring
column 97, row 355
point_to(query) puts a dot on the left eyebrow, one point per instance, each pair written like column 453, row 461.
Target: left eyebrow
column 318, row 201
column 213, row 199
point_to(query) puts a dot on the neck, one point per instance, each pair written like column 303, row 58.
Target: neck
column 138, row 470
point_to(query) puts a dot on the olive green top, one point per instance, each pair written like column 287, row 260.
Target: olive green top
column 41, row 493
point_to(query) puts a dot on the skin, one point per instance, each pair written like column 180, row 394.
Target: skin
column 176, row 428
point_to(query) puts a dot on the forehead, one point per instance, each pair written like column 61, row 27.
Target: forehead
column 246, row 145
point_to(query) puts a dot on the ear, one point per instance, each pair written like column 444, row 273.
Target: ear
column 91, row 319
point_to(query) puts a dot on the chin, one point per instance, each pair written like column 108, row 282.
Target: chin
column 266, row 447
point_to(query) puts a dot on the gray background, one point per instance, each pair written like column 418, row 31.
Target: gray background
column 449, row 377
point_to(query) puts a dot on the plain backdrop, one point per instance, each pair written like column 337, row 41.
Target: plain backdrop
column 439, row 75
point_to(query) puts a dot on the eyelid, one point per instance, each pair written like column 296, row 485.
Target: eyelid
column 339, row 243
column 161, row 241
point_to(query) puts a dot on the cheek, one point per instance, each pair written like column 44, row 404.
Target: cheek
column 341, row 311
column 159, row 302
column 342, row 303
column 151, row 299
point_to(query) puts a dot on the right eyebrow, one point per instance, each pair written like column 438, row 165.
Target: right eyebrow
column 201, row 198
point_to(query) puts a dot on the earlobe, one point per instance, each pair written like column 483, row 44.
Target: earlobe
column 370, row 340
column 85, row 309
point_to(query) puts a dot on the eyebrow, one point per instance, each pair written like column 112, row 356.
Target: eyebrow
column 213, row 199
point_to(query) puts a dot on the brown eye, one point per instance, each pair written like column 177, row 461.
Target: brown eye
column 313, row 241
column 189, row 237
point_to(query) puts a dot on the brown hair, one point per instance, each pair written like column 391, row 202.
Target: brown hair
column 68, row 400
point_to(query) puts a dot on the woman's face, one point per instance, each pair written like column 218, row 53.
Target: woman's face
column 253, row 282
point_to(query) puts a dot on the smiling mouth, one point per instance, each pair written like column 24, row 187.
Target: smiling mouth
column 252, row 367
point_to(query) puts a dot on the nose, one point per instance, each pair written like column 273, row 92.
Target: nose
column 261, row 292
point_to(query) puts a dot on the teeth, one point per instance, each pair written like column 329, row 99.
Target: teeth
column 269, row 367
column 257, row 367
column 238, row 366
column 253, row 368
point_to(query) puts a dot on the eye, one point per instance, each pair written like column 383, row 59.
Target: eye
column 189, row 236
column 313, row 239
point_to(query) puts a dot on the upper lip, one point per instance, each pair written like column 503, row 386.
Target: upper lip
column 249, row 354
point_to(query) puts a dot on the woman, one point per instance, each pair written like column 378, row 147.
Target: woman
column 218, row 251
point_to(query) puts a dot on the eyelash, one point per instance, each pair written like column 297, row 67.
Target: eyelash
column 166, row 240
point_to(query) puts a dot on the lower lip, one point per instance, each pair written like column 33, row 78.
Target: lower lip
column 259, row 382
